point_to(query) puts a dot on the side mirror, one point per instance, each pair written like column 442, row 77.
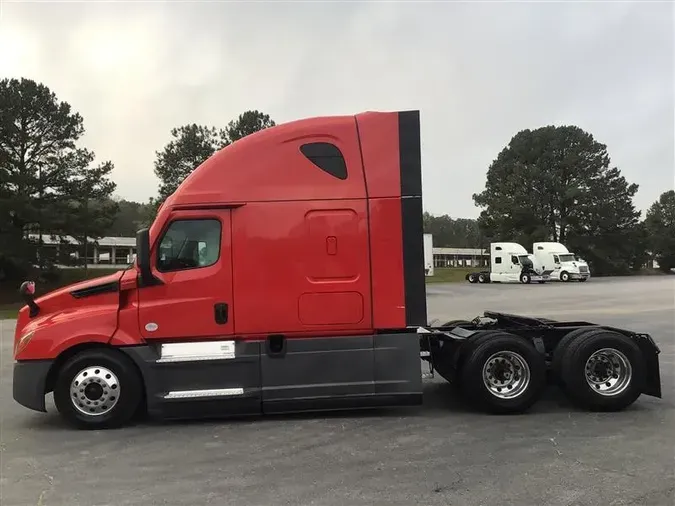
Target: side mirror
column 143, row 258
column 27, row 291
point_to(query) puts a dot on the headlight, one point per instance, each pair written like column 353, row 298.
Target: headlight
column 23, row 342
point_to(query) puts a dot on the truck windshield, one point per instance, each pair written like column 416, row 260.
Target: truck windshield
column 567, row 258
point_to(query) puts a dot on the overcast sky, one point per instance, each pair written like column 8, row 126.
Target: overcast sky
column 477, row 72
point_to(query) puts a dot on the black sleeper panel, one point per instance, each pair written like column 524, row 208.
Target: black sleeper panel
column 412, row 218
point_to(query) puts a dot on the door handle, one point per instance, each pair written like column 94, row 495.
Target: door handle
column 220, row 313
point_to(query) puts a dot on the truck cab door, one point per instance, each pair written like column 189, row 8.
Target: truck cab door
column 192, row 259
column 199, row 367
column 515, row 268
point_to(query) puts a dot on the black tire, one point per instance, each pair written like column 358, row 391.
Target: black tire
column 525, row 278
column 474, row 387
column 482, row 278
column 129, row 384
column 574, row 374
column 560, row 350
column 472, row 277
column 564, row 276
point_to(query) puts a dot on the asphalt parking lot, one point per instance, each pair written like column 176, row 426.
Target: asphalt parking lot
column 439, row 454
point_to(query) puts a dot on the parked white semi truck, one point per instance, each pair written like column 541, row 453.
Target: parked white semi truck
column 564, row 265
column 509, row 263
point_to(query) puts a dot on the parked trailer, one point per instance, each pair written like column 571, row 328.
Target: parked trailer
column 564, row 265
column 258, row 290
column 509, row 263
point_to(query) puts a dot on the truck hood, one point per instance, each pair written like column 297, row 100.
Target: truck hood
column 573, row 265
column 79, row 290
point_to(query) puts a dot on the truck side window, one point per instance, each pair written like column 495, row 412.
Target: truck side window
column 498, row 260
column 189, row 244
column 556, row 259
column 327, row 157
column 514, row 259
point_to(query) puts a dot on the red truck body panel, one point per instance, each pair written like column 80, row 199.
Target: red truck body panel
column 302, row 252
column 298, row 291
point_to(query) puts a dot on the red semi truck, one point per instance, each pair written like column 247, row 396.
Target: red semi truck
column 286, row 274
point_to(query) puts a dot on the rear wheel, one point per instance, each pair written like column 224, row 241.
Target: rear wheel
column 482, row 278
column 502, row 373
column 473, row 277
column 561, row 349
column 603, row 370
column 97, row 389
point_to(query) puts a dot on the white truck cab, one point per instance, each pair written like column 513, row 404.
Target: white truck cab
column 509, row 263
column 566, row 266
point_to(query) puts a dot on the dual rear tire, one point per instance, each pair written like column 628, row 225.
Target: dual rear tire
column 502, row 373
column 599, row 369
column 478, row 277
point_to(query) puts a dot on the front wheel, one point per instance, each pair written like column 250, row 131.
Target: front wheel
column 525, row 278
column 564, row 276
column 98, row 389
column 503, row 373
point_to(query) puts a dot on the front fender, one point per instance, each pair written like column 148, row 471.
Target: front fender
column 54, row 333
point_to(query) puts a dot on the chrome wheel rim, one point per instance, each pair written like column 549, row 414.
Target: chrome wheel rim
column 506, row 374
column 608, row 372
column 95, row 391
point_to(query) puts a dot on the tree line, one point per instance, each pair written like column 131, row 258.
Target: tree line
column 553, row 183
column 558, row 184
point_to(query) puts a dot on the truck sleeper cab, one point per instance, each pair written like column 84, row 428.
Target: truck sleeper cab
column 286, row 273
column 509, row 263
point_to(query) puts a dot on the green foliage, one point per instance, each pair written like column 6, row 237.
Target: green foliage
column 660, row 226
column 44, row 176
column 247, row 123
column 556, row 184
column 190, row 147
column 193, row 144
column 130, row 218
column 454, row 233
column 449, row 275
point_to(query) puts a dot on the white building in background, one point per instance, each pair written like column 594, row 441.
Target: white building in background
column 104, row 252
column 428, row 255
column 461, row 257
column 452, row 257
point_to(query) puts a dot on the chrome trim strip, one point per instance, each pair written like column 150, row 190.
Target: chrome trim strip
column 196, row 394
